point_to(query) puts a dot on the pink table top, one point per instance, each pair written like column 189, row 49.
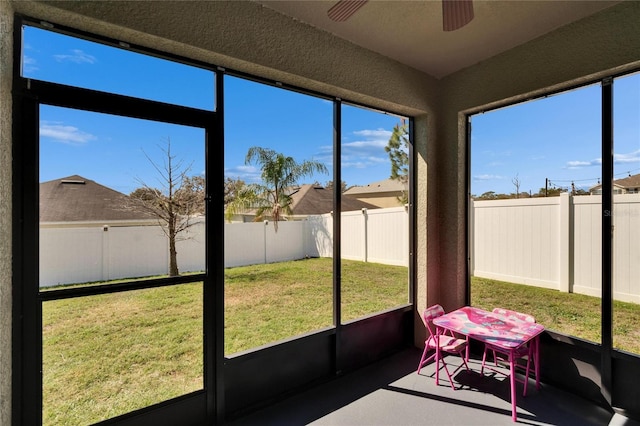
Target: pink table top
column 495, row 329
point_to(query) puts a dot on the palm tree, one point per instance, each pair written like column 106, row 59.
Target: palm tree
column 279, row 175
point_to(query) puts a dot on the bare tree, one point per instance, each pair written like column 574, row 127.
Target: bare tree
column 179, row 199
column 516, row 183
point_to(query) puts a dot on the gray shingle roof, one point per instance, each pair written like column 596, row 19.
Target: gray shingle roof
column 312, row 199
column 75, row 198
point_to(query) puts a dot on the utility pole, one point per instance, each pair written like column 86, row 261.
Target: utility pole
column 546, row 187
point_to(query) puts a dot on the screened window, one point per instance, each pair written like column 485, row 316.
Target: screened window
column 375, row 214
column 278, row 235
column 626, row 213
column 151, row 213
column 535, row 228
column 63, row 59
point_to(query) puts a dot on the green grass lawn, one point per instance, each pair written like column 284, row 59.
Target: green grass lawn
column 568, row 313
column 110, row 354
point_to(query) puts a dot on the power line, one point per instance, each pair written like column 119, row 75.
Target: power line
column 628, row 173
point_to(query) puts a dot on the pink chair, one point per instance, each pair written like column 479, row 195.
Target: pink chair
column 524, row 352
column 439, row 342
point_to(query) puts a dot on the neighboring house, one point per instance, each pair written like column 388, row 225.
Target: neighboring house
column 628, row 185
column 91, row 233
column 312, row 200
column 77, row 199
column 384, row 193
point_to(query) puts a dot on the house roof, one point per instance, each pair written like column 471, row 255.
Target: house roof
column 75, row 198
column 629, row 182
column 625, row 183
column 313, row 199
column 387, row 185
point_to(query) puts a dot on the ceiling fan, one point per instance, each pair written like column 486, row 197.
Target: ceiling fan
column 455, row 13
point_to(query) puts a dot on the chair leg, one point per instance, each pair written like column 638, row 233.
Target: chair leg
column 464, row 361
column 466, row 355
column 530, row 358
column 536, row 359
column 484, row 358
column 424, row 358
column 525, row 382
column 446, row 370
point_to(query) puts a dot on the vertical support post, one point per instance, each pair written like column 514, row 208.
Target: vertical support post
column 105, row 253
column 564, row 235
column 213, row 285
column 471, row 230
column 264, row 235
column 607, row 237
column 337, row 221
column 365, row 237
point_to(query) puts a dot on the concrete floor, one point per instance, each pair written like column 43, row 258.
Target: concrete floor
column 390, row 392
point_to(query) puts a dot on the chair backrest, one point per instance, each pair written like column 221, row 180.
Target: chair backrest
column 430, row 314
column 514, row 314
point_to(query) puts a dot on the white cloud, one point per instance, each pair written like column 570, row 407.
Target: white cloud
column 77, row 56
column 355, row 164
column 578, row 164
column 488, row 177
column 247, row 169
column 65, row 134
column 248, row 174
column 366, row 149
column 29, row 64
column 632, row 157
column 375, row 134
column 366, row 144
column 377, row 160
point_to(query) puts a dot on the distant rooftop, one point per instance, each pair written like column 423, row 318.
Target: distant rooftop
column 630, row 182
column 387, row 185
column 75, row 198
column 314, row 199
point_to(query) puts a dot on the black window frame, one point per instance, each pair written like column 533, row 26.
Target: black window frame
column 607, row 353
column 207, row 404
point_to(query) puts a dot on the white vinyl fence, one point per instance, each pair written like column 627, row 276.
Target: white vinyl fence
column 555, row 243
column 73, row 253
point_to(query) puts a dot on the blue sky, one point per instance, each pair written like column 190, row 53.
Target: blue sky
column 113, row 150
column 556, row 138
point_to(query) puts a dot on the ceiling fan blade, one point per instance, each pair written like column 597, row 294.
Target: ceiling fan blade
column 456, row 14
column 343, row 10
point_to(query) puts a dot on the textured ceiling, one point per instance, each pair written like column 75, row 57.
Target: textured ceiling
column 411, row 32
